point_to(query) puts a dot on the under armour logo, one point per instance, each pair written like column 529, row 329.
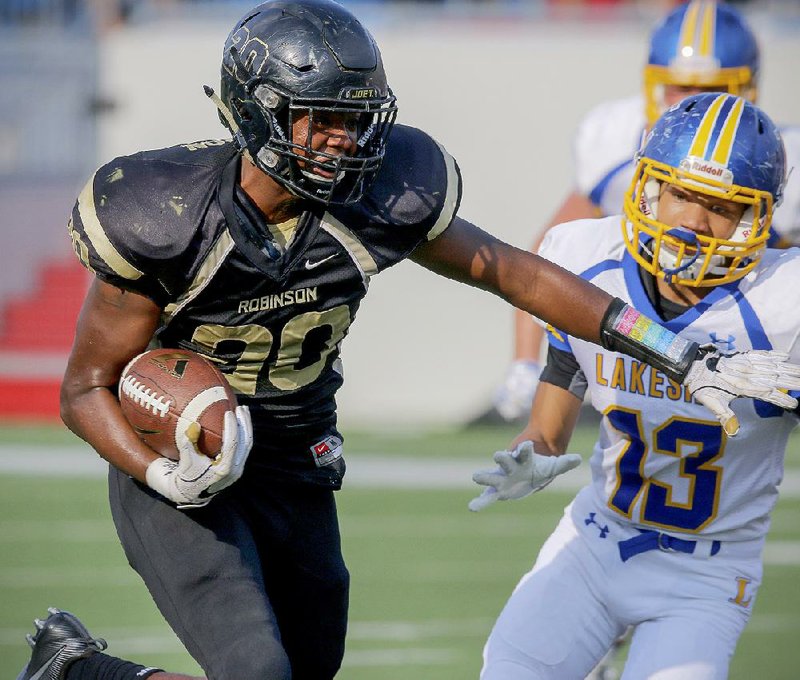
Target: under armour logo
column 591, row 520
column 729, row 346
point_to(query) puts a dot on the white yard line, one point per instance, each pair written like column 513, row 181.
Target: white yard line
column 405, row 656
column 139, row 641
column 364, row 472
column 382, row 471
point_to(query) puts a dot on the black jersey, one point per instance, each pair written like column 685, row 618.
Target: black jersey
column 173, row 225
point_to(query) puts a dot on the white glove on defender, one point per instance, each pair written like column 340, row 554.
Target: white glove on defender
column 716, row 379
column 195, row 479
column 513, row 399
column 520, row 472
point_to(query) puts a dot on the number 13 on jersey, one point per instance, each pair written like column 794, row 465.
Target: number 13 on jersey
column 699, row 477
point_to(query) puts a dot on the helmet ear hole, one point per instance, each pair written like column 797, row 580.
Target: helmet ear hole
column 241, row 110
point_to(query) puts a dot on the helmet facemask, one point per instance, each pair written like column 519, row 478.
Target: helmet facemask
column 292, row 161
column 679, row 255
column 703, row 74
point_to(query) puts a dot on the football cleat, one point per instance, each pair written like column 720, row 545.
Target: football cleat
column 59, row 640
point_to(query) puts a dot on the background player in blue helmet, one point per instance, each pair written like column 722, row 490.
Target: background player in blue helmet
column 702, row 45
column 257, row 252
column 668, row 535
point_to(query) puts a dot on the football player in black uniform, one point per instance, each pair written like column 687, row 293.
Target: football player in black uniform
column 256, row 253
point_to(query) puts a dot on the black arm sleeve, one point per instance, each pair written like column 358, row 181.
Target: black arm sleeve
column 563, row 370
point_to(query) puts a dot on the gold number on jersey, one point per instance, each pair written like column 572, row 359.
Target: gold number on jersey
column 285, row 374
column 287, row 371
column 257, row 342
column 80, row 248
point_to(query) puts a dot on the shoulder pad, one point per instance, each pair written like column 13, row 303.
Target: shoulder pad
column 771, row 290
column 580, row 244
column 138, row 213
column 413, row 199
column 607, row 136
column 419, row 183
column 776, row 263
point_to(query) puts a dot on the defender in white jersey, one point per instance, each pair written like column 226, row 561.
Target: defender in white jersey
column 699, row 46
column 668, row 535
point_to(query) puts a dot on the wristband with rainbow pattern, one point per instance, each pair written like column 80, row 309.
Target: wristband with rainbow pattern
column 626, row 330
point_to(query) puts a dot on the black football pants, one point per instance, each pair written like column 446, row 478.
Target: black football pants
column 253, row 584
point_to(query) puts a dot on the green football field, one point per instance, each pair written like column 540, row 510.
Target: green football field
column 428, row 577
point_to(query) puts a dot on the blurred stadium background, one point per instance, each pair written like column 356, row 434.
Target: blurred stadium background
column 502, row 85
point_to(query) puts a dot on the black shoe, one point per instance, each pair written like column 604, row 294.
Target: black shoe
column 59, row 640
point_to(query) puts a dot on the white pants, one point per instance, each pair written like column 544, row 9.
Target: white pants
column 564, row 614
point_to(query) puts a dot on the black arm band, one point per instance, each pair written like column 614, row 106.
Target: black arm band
column 625, row 330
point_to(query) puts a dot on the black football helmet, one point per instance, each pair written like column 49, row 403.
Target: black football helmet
column 288, row 58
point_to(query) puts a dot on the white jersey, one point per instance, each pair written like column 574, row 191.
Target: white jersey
column 662, row 461
column 608, row 138
column 605, row 144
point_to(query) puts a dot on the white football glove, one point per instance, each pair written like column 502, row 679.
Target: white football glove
column 513, row 399
column 519, row 473
column 716, row 379
column 194, row 479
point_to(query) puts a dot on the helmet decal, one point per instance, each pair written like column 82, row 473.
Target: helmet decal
column 697, row 33
column 724, row 145
column 252, row 52
column 702, row 158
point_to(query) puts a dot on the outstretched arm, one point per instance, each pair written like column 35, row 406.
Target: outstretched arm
column 528, row 335
column 512, row 399
column 537, row 456
column 465, row 253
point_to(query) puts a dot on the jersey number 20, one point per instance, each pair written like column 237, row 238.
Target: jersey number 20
column 288, row 371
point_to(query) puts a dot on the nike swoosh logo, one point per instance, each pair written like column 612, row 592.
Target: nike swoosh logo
column 314, row 265
column 40, row 673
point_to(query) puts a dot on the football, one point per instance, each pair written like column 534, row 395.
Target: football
column 163, row 388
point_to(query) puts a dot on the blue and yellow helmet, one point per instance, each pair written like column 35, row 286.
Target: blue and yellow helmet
column 715, row 144
column 701, row 44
